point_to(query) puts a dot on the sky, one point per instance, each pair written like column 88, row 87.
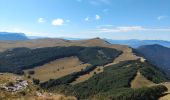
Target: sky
column 112, row 19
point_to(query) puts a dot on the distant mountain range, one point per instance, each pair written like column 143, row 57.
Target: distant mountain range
column 132, row 43
column 136, row 43
column 12, row 36
column 157, row 55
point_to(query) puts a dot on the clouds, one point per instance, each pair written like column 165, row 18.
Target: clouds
column 125, row 29
column 79, row 0
column 96, row 2
column 97, row 17
column 54, row 22
column 119, row 29
column 100, row 2
column 57, row 22
column 161, row 17
column 86, row 19
column 41, row 20
column 130, row 28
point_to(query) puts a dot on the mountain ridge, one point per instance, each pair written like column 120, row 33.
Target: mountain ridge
column 12, row 36
column 137, row 43
column 157, row 55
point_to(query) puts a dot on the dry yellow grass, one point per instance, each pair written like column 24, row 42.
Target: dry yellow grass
column 140, row 81
column 39, row 43
column 85, row 77
column 46, row 96
column 8, row 77
column 58, row 68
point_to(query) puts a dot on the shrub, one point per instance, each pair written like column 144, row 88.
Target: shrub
column 31, row 72
column 36, row 81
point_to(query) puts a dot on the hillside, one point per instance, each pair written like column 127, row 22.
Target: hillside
column 50, row 42
column 113, row 82
column 157, row 55
column 18, row 59
column 85, row 69
column 12, row 36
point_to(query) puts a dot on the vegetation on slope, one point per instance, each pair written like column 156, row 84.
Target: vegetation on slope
column 18, row 59
column 157, row 55
column 145, row 93
column 113, row 82
column 152, row 73
column 113, row 77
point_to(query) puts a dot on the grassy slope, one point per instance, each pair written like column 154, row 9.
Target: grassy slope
column 113, row 81
column 18, row 59
column 113, row 77
column 57, row 68
column 140, row 81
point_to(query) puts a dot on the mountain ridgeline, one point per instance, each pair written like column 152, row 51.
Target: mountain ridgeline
column 157, row 55
column 137, row 43
column 13, row 36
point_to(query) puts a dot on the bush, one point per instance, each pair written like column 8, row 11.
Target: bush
column 31, row 72
column 10, row 84
column 36, row 81
column 29, row 76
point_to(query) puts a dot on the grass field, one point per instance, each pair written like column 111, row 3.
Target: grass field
column 85, row 77
column 140, row 81
column 8, row 77
column 58, row 68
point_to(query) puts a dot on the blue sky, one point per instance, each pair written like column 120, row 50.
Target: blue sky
column 113, row 19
